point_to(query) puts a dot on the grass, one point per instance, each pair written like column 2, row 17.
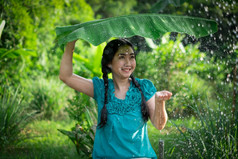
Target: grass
column 47, row 142
column 215, row 138
column 168, row 134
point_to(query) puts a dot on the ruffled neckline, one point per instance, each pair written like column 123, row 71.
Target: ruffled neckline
column 131, row 102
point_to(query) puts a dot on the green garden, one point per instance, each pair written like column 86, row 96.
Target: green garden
column 40, row 117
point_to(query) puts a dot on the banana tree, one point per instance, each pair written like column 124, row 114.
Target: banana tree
column 145, row 25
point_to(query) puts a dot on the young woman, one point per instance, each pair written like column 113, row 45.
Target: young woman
column 125, row 103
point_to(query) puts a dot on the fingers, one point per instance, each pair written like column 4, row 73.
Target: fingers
column 163, row 95
column 72, row 42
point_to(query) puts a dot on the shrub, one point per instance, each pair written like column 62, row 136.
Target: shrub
column 215, row 136
column 192, row 90
column 83, row 110
column 47, row 96
column 12, row 61
column 179, row 69
column 83, row 139
column 13, row 118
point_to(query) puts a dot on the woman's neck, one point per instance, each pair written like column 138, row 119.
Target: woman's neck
column 121, row 87
column 121, row 84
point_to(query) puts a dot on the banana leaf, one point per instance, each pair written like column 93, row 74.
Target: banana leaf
column 145, row 25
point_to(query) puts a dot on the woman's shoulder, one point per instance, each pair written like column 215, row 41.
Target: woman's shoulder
column 97, row 80
column 98, row 86
column 147, row 88
column 100, row 80
column 144, row 82
column 99, row 83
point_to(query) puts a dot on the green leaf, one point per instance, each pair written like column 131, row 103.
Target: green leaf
column 1, row 27
column 70, row 134
column 14, row 53
column 145, row 25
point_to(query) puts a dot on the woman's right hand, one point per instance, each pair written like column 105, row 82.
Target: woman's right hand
column 72, row 42
column 70, row 46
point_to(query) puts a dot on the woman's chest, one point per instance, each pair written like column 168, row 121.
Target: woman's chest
column 130, row 103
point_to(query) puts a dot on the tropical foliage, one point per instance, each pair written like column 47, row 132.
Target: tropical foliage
column 83, row 110
column 215, row 137
column 42, row 118
column 173, row 67
column 13, row 117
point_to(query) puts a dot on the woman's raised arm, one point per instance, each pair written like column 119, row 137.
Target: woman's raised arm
column 76, row 82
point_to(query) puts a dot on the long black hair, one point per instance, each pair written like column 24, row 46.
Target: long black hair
column 108, row 54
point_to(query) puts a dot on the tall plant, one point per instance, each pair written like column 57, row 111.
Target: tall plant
column 215, row 136
column 83, row 110
column 87, row 60
column 13, row 118
column 48, row 97
column 12, row 61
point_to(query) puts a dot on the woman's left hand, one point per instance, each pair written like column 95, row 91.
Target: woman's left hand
column 163, row 95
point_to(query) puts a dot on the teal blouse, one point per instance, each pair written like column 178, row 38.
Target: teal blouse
column 125, row 133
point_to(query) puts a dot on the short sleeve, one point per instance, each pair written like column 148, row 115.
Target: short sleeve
column 147, row 87
column 98, row 87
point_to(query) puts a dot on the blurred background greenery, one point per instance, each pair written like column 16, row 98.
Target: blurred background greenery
column 42, row 118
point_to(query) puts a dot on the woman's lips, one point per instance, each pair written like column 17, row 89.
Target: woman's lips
column 126, row 69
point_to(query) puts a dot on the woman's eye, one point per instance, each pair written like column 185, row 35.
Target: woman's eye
column 121, row 57
column 132, row 56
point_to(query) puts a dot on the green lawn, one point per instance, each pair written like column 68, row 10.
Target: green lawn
column 46, row 141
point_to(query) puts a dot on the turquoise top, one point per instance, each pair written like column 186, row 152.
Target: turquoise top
column 125, row 133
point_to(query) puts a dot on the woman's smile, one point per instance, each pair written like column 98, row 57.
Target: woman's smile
column 126, row 69
column 123, row 63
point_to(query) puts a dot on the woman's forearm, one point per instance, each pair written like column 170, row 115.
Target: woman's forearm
column 66, row 68
column 160, row 114
column 74, row 81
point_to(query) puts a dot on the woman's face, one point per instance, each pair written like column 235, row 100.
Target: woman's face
column 123, row 63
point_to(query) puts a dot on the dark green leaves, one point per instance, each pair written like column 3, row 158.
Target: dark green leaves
column 161, row 4
column 145, row 25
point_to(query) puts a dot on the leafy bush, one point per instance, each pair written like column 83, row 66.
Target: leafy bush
column 83, row 139
column 83, row 110
column 215, row 136
column 47, row 96
column 192, row 90
column 13, row 118
column 12, row 61
column 179, row 69
column 88, row 59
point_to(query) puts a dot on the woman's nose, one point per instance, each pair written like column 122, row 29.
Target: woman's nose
column 128, row 62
